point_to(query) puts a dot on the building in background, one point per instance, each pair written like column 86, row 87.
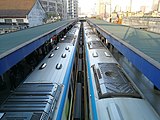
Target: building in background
column 72, row 8
column 75, row 4
column 155, row 5
column 117, row 8
column 64, row 13
column 55, row 8
column 20, row 14
column 104, row 9
column 101, row 8
column 79, row 11
column 143, row 9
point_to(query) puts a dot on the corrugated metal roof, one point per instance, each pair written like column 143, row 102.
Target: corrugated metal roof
column 13, row 13
column 16, row 4
column 11, row 41
column 146, row 42
column 15, row 8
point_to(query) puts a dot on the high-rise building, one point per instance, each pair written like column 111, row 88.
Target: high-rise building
column 55, row 8
column 75, row 2
column 155, row 5
column 117, row 8
column 104, row 8
column 64, row 12
column 143, row 9
column 72, row 8
column 79, row 11
column 101, row 8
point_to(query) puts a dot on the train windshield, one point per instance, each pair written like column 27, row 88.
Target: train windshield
column 112, row 82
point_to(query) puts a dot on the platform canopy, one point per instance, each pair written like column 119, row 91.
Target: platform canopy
column 141, row 47
column 17, row 45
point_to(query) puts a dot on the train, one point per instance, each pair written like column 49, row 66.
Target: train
column 111, row 92
column 47, row 93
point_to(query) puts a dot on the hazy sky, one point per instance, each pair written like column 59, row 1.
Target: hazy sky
column 87, row 5
column 90, row 5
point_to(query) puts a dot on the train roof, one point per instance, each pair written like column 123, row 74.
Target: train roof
column 51, row 74
column 38, row 97
column 91, row 36
column 112, row 93
column 30, row 103
column 59, row 57
column 112, row 82
column 68, row 39
column 95, row 45
column 71, row 35
column 98, row 52
column 125, row 109
column 109, row 77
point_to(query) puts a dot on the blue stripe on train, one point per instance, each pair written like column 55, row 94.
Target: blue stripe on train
column 66, row 84
column 94, row 112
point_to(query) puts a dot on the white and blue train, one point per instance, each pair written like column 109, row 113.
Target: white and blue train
column 112, row 95
column 47, row 93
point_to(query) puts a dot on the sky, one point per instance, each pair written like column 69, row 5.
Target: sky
column 89, row 6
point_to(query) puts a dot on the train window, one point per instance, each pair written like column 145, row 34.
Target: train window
column 115, row 83
column 51, row 55
column 58, row 66
column 63, row 55
column 107, row 55
column 43, row 66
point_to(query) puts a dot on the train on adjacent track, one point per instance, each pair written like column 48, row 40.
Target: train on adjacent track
column 112, row 94
column 47, row 93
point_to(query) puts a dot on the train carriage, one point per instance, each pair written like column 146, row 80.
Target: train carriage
column 47, row 93
column 112, row 95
